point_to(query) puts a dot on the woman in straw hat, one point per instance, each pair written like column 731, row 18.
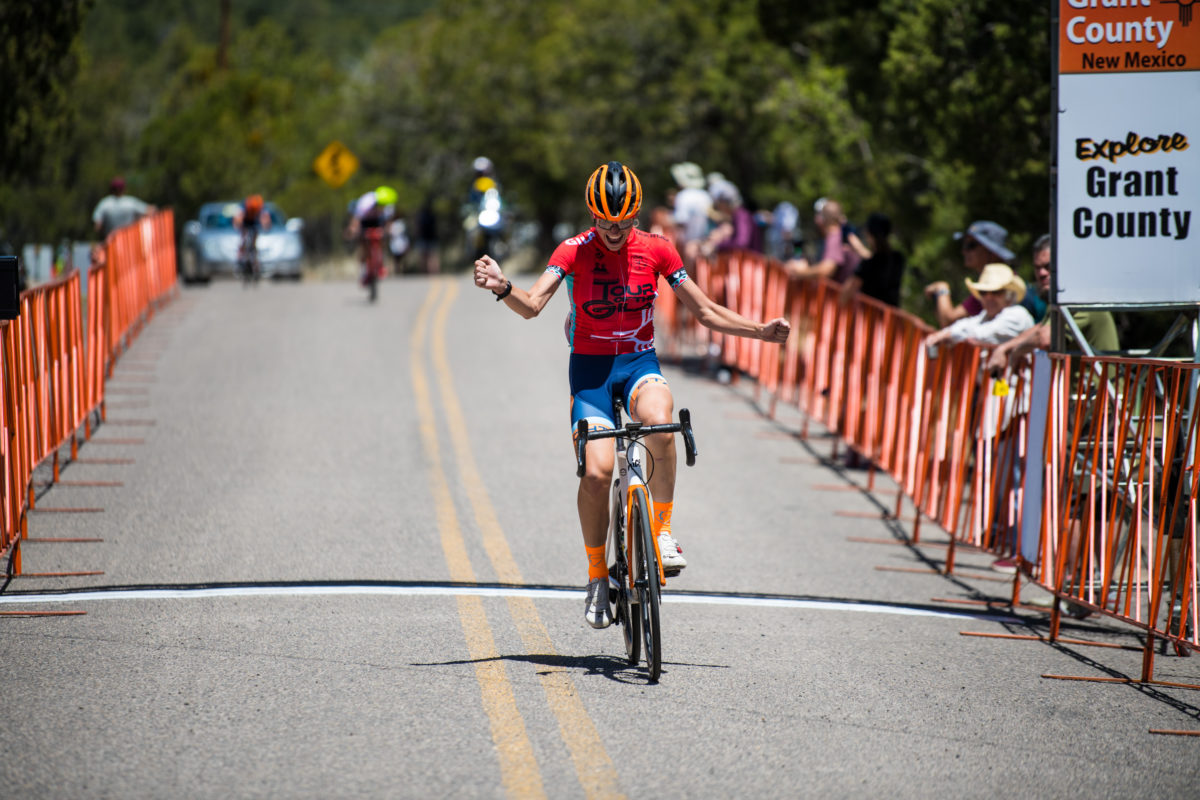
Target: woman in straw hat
column 1000, row 290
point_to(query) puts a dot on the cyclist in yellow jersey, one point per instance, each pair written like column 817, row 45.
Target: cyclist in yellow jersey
column 612, row 271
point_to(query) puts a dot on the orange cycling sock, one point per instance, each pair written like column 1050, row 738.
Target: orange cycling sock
column 597, row 565
column 660, row 518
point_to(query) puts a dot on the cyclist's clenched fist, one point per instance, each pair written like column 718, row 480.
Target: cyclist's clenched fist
column 776, row 330
column 488, row 275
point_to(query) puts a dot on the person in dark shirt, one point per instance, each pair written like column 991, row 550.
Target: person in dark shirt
column 880, row 275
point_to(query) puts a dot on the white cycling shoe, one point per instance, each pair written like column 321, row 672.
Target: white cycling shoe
column 596, row 609
column 672, row 556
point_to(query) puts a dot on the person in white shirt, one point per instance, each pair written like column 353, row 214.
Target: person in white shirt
column 1000, row 290
column 117, row 209
column 692, row 206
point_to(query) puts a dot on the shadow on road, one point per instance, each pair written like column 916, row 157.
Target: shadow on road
column 614, row 668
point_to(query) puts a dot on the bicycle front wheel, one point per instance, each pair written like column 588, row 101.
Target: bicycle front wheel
column 626, row 614
column 647, row 572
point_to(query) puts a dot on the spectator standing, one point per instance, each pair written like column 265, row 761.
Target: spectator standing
column 398, row 241
column 850, row 236
column 427, row 237
column 838, row 259
column 783, row 238
column 983, row 243
column 692, row 206
column 736, row 227
column 880, row 275
column 117, row 209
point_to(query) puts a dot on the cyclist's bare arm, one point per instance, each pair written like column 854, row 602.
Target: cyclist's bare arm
column 526, row 303
column 712, row 314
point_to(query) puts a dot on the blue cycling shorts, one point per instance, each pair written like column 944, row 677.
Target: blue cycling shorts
column 596, row 380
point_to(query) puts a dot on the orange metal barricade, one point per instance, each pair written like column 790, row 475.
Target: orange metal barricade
column 1118, row 507
column 52, row 373
column 1121, row 498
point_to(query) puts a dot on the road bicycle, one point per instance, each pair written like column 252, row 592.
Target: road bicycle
column 373, row 260
column 636, row 574
column 249, row 266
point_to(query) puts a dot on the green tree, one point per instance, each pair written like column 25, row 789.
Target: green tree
column 548, row 90
column 40, row 59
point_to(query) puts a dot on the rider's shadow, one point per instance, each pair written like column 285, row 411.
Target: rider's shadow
column 614, row 668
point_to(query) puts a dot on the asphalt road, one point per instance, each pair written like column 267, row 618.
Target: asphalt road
column 340, row 558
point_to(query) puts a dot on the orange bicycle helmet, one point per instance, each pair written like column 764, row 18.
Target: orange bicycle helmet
column 614, row 193
column 254, row 204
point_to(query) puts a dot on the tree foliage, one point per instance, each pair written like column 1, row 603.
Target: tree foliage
column 933, row 110
column 38, row 61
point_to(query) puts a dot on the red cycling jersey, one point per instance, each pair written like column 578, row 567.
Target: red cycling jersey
column 612, row 294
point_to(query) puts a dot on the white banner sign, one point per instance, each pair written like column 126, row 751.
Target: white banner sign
column 1128, row 195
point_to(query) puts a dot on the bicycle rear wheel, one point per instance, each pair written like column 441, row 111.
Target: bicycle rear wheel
column 626, row 616
column 646, row 571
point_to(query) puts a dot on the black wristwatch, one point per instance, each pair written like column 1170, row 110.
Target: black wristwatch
column 507, row 291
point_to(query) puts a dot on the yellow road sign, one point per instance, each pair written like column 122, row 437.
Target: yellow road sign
column 336, row 164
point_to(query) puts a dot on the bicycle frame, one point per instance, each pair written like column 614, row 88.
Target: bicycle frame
column 629, row 478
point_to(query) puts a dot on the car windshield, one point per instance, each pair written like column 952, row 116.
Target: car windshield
column 220, row 217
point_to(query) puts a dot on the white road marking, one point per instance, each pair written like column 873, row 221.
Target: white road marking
column 478, row 591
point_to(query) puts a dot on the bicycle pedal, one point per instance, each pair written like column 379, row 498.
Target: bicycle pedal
column 671, row 573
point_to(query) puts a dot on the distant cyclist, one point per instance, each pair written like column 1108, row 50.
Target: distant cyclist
column 250, row 219
column 369, row 217
column 483, row 214
column 611, row 271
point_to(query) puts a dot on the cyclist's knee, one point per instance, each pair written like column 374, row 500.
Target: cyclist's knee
column 596, row 479
column 654, row 405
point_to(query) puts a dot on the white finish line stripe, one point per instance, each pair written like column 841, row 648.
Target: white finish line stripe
column 475, row 591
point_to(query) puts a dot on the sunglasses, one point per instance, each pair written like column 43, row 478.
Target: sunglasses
column 969, row 244
column 991, row 291
column 605, row 225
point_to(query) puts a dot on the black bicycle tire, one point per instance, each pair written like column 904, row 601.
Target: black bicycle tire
column 631, row 624
column 650, row 592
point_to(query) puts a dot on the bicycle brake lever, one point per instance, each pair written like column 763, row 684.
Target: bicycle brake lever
column 689, row 441
column 581, row 435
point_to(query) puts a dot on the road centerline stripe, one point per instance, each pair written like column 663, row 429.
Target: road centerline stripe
column 594, row 767
column 518, row 766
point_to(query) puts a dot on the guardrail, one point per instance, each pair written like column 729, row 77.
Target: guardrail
column 55, row 360
column 1084, row 468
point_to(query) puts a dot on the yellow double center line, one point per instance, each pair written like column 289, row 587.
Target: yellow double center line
column 518, row 766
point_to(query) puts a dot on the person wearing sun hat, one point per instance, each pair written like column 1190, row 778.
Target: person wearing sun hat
column 983, row 242
column 999, row 291
column 691, row 209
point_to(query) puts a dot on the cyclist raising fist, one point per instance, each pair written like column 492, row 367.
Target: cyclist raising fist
column 612, row 272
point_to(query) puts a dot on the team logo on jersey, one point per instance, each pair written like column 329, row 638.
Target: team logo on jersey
column 616, row 298
column 582, row 238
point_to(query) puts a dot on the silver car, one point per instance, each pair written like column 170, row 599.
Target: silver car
column 210, row 244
